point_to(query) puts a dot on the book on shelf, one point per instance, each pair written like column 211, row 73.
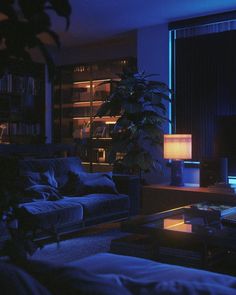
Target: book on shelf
column 18, row 84
column 80, row 94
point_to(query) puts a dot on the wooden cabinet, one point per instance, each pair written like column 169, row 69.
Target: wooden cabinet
column 78, row 93
column 22, row 104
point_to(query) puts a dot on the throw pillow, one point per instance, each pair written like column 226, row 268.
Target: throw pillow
column 45, row 178
column 97, row 183
column 83, row 183
column 73, row 185
column 43, row 192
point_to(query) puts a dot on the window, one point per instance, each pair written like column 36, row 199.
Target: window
column 204, row 82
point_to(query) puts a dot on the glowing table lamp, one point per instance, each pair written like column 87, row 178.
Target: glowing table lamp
column 177, row 147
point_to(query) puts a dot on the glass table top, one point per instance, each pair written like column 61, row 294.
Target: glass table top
column 197, row 218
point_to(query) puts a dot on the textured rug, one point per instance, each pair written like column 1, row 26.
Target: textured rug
column 84, row 244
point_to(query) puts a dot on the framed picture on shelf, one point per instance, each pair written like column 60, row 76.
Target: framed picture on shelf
column 99, row 155
column 100, row 131
column 3, row 132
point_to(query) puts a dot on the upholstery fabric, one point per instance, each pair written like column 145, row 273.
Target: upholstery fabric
column 48, row 214
column 83, row 183
column 14, row 280
column 44, row 192
column 95, row 205
column 105, row 274
column 69, row 280
column 89, row 208
column 140, row 268
column 30, row 178
column 181, row 280
column 101, row 183
column 61, row 167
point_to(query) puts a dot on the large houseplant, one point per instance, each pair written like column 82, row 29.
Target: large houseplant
column 139, row 103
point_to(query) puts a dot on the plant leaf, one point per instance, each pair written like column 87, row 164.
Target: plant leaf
column 62, row 8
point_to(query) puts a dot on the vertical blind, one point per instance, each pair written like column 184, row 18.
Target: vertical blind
column 205, row 75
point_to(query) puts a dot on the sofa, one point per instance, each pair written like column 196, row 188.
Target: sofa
column 56, row 195
column 106, row 274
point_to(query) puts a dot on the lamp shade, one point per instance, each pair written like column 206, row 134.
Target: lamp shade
column 178, row 146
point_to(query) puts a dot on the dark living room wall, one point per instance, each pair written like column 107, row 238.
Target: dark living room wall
column 124, row 45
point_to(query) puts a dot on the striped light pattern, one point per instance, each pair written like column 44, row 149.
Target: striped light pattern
column 178, row 146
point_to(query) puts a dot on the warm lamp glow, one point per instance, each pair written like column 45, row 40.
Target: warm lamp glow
column 178, row 146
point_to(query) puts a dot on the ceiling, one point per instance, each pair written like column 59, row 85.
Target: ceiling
column 95, row 20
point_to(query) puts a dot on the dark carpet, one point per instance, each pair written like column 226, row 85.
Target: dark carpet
column 89, row 242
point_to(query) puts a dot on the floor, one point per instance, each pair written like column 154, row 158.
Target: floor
column 73, row 247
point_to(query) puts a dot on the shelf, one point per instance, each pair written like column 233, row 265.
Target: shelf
column 102, row 138
column 65, row 105
column 97, row 163
column 88, row 103
column 22, row 102
column 79, row 92
column 96, row 80
column 111, row 119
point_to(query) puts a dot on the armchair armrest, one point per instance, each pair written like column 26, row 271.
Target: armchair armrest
column 129, row 185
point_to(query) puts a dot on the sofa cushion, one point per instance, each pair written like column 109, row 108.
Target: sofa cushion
column 30, row 178
column 96, row 205
column 50, row 214
column 61, row 167
column 83, row 183
column 43, row 192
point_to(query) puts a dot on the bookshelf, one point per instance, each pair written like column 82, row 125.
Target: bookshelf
column 22, row 104
column 79, row 91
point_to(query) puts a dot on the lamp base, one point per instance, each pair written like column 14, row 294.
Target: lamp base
column 177, row 168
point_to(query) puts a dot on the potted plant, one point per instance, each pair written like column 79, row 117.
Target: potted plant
column 139, row 104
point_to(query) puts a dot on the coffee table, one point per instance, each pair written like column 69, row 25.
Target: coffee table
column 180, row 239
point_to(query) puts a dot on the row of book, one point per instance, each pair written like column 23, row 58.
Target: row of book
column 83, row 94
column 11, row 83
column 71, row 112
column 24, row 129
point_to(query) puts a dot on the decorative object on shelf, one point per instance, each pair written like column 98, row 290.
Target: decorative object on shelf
column 138, row 102
column 177, row 147
column 86, row 130
column 22, row 25
column 3, row 127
